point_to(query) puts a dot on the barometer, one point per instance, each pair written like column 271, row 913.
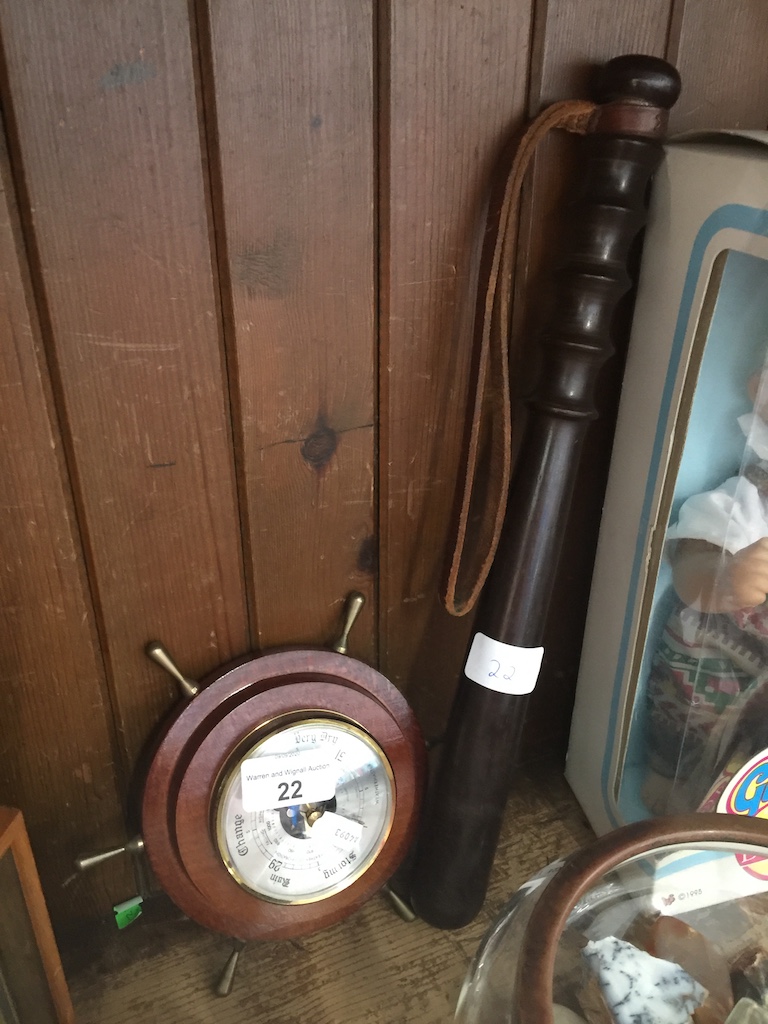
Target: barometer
column 283, row 791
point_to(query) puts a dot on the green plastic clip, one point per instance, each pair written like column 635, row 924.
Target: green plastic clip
column 127, row 912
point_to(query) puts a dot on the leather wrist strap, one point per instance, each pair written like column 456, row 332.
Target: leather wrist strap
column 489, row 455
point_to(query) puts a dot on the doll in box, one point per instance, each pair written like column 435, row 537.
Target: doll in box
column 709, row 673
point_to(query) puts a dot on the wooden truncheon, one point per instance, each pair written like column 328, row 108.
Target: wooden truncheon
column 619, row 152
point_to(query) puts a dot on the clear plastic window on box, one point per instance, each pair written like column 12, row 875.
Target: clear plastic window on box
column 701, row 697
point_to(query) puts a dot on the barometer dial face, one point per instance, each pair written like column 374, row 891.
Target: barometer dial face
column 305, row 812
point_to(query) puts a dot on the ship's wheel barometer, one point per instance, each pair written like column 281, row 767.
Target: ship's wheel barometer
column 282, row 793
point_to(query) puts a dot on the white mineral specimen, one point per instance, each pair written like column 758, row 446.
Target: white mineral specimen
column 640, row 988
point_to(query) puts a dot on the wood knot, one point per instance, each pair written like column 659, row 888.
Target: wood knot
column 269, row 269
column 319, row 447
column 368, row 556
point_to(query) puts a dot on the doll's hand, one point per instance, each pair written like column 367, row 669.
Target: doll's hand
column 707, row 579
column 744, row 580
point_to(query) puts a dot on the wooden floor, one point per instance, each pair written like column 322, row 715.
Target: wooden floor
column 373, row 968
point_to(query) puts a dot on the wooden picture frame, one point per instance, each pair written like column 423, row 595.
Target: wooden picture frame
column 33, row 989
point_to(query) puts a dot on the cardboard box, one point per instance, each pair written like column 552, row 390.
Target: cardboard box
column 700, row 329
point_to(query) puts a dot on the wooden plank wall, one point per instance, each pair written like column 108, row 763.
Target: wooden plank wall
column 240, row 247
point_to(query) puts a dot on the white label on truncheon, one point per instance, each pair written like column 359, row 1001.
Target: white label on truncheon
column 503, row 667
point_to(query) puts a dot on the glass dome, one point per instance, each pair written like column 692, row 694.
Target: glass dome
column 663, row 922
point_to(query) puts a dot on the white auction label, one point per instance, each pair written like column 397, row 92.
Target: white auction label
column 344, row 833
column 503, row 667
column 280, row 780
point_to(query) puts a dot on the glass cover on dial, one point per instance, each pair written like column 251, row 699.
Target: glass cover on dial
column 305, row 811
